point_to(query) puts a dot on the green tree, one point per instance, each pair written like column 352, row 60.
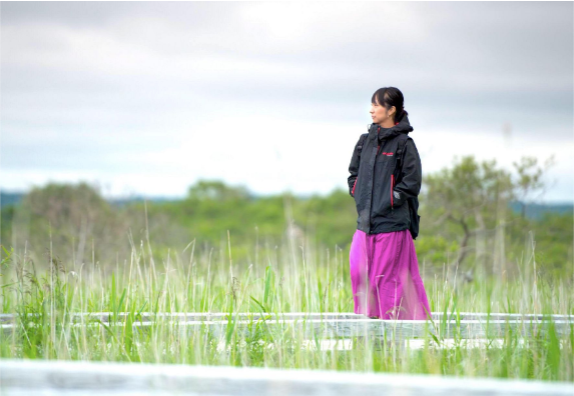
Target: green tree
column 72, row 217
column 530, row 178
column 474, row 196
column 216, row 190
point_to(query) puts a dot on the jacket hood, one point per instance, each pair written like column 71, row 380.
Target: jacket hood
column 404, row 126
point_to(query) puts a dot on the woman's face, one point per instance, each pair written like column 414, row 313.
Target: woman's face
column 379, row 114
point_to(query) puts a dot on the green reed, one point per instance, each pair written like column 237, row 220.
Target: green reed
column 281, row 280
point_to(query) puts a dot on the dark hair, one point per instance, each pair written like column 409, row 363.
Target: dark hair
column 391, row 96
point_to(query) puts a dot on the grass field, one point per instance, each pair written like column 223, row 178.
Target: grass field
column 289, row 279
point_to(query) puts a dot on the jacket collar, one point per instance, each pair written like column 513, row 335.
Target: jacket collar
column 404, row 126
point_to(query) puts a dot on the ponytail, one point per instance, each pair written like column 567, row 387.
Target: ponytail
column 400, row 113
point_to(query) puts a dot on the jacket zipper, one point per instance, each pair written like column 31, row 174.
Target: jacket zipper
column 354, row 184
column 371, row 207
column 392, row 185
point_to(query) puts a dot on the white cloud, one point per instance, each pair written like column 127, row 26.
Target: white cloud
column 153, row 96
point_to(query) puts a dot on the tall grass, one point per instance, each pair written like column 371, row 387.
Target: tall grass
column 293, row 277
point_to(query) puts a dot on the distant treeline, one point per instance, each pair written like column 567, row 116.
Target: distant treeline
column 473, row 220
column 533, row 210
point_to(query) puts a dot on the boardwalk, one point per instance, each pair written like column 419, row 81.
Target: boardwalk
column 82, row 378
column 331, row 325
column 36, row 377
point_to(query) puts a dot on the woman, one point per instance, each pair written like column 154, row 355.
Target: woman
column 385, row 182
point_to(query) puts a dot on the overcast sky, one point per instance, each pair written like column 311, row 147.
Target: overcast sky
column 147, row 98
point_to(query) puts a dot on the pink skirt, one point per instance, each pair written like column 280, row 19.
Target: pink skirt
column 385, row 276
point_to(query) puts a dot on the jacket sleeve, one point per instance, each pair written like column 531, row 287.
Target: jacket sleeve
column 410, row 175
column 354, row 167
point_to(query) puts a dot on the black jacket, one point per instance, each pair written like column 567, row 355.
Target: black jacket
column 382, row 202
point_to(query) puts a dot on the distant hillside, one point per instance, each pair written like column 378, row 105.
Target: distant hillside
column 10, row 198
column 533, row 211
column 125, row 201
